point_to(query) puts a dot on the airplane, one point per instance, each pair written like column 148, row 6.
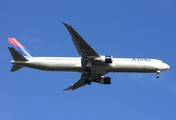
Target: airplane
column 91, row 65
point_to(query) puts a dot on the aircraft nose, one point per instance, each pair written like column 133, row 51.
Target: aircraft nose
column 166, row 66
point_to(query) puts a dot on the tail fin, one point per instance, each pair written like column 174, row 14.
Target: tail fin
column 19, row 47
column 16, row 55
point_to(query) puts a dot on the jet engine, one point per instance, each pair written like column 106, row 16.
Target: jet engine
column 104, row 80
column 105, row 59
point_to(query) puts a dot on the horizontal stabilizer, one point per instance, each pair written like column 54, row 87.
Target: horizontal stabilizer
column 16, row 55
column 15, row 68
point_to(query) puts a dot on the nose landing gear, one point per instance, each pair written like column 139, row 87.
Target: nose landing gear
column 157, row 74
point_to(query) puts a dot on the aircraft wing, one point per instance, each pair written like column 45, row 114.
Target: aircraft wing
column 81, row 82
column 83, row 48
column 88, row 55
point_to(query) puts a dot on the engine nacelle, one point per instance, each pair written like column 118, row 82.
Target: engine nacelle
column 105, row 59
column 105, row 80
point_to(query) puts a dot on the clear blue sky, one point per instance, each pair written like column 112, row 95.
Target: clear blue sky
column 128, row 28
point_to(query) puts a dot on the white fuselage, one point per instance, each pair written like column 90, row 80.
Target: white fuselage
column 74, row 64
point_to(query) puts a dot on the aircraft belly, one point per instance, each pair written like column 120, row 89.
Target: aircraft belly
column 76, row 66
column 53, row 66
column 134, row 67
column 100, row 69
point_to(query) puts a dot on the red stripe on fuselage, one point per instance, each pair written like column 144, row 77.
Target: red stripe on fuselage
column 15, row 42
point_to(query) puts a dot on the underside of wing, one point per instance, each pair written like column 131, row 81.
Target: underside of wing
column 76, row 85
column 82, row 82
column 83, row 48
column 89, row 59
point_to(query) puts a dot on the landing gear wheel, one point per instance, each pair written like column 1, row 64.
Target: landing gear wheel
column 158, row 74
column 87, row 69
column 87, row 81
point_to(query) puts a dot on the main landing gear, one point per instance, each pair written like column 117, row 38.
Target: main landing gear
column 157, row 74
column 88, row 70
column 88, row 81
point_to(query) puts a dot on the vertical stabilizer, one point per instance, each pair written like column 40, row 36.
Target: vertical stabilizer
column 16, row 55
column 19, row 47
